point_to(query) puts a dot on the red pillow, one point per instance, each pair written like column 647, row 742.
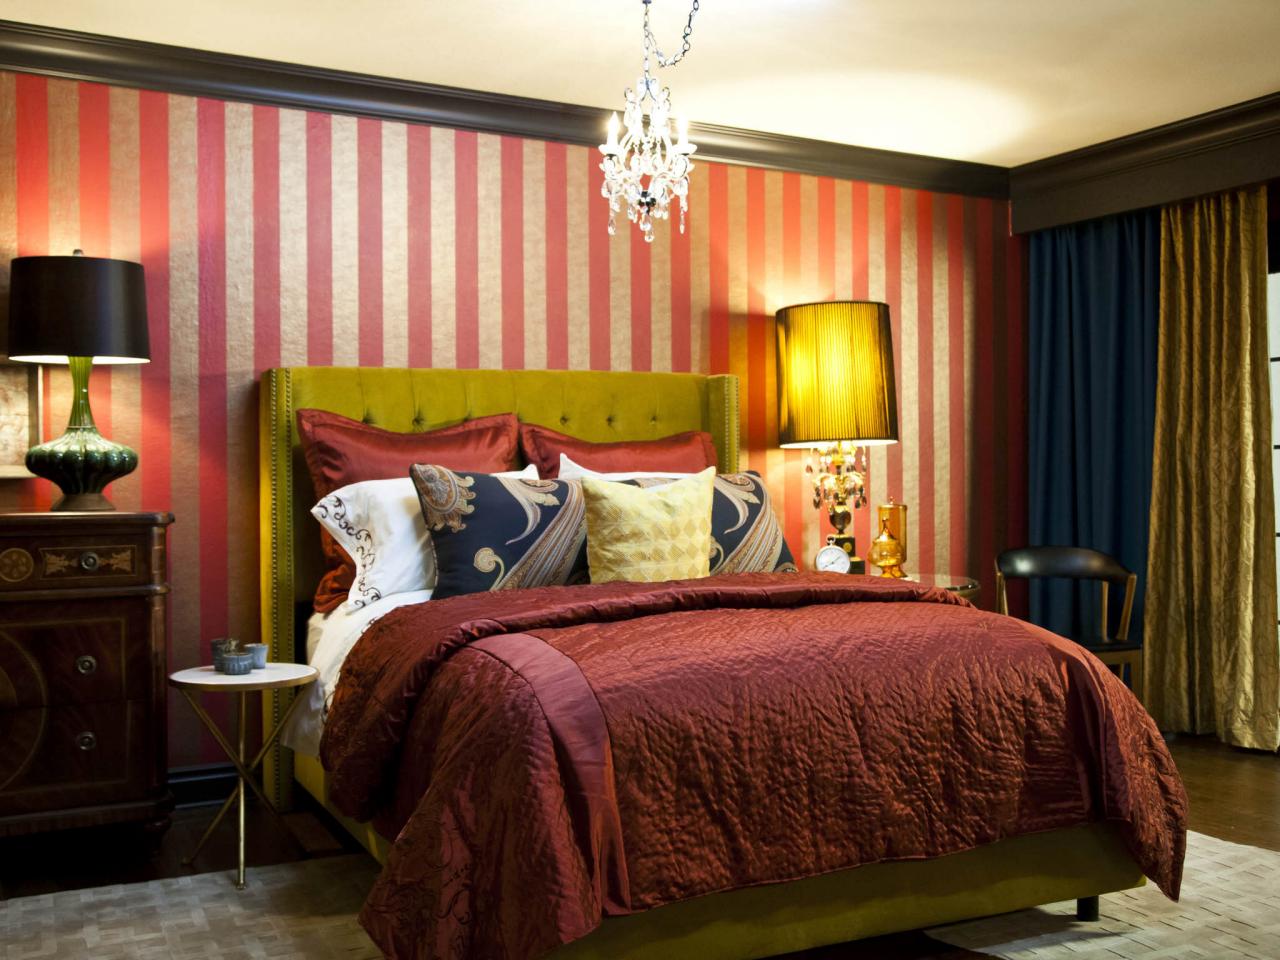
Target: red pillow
column 339, row 451
column 679, row 453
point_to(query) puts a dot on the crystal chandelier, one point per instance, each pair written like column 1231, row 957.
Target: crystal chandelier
column 646, row 169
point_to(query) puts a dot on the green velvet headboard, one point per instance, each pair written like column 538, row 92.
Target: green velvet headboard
column 587, row 404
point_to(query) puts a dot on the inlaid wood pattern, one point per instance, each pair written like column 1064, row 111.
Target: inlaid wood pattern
column 16, row 565
column 89, row 561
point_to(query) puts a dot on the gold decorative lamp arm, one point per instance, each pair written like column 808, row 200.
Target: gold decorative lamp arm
column 838, row 482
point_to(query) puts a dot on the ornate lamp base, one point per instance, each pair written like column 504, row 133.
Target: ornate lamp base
column 840, row 514
column 82, row 461
column 837, row 482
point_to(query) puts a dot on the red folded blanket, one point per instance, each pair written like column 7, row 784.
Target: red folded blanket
column 547, row 757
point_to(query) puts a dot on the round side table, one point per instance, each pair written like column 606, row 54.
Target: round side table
column 205, row 679
column 961, row 586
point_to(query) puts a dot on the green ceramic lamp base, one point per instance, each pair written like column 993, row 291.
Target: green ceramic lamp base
column 81, row 462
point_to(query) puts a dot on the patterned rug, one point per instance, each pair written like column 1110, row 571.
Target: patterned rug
column 292, row 911
column 1230, row 908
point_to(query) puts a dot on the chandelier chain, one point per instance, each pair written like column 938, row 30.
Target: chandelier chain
column 651, row 42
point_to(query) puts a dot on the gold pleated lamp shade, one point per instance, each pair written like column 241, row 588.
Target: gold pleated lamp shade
column 835, row 375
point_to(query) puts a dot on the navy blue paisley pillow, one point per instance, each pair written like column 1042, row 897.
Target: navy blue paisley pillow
column 745, row 534
column 504, row 533
column 501, row 533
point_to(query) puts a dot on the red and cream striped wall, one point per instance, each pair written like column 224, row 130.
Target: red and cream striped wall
column 276, row 236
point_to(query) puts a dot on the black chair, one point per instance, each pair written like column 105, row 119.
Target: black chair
column 1080, row 563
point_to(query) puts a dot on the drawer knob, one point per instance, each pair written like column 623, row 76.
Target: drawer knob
column 89, row 561
column 86, row 740
column 85, row 665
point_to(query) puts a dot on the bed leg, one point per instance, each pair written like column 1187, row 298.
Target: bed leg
column 1087, row 908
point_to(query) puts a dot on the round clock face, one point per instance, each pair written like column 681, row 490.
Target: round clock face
column 831, row 559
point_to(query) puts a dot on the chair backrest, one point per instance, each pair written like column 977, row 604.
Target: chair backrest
column 1072, row 563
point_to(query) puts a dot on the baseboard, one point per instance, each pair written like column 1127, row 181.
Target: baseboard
column 201, row 784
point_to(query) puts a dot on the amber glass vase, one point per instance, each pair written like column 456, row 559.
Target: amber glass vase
column 886, row 552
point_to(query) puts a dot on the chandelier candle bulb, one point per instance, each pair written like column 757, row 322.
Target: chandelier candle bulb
column 683, row 145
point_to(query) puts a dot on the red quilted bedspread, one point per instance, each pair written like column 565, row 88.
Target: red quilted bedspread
column 545, row 758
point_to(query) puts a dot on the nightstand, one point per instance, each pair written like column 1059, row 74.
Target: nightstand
column 83, row 603
column 275, row 676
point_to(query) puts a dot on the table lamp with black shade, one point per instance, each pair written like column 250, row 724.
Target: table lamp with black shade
column 79, row 311
column 836, row 397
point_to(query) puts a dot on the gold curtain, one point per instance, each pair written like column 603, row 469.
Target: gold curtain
column 1212, row 648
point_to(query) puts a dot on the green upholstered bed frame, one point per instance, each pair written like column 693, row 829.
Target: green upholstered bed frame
column 736, row 925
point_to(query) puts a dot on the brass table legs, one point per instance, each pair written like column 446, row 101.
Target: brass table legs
column 244, row 774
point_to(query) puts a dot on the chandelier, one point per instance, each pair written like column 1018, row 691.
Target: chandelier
column 646, row 169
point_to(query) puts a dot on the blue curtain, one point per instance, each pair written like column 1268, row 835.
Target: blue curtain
column 1094, row 314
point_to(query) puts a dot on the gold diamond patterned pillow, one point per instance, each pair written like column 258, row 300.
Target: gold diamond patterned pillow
column 649, row 534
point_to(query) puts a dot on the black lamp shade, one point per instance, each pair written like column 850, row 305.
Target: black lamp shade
column 76, row 306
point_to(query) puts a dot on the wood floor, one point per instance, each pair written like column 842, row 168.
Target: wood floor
column 1234, row 795
column 75, row 859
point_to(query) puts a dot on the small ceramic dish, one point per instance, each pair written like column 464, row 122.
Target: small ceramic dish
column 237, row 664
column 220, row 648
column 259, row 653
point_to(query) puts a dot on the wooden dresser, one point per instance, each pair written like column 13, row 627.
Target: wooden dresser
column 83, row 600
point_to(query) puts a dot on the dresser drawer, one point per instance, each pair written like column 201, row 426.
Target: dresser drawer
column 73, row 756
column 75, row 560
column 75, row 652
column 83, row 609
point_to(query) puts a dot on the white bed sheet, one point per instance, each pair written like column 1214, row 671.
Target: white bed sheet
column 330, row 637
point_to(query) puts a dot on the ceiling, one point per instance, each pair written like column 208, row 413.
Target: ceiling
column 994, row 81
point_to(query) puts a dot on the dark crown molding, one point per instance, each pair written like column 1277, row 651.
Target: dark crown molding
column 134, row 63
column 1215, row 151
column 1220, row 150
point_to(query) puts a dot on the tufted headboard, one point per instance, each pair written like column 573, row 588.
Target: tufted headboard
column 587, row 404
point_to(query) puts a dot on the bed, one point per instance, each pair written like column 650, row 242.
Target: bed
column 1080, row 862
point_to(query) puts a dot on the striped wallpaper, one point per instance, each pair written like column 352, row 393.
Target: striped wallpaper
column 277, row 237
